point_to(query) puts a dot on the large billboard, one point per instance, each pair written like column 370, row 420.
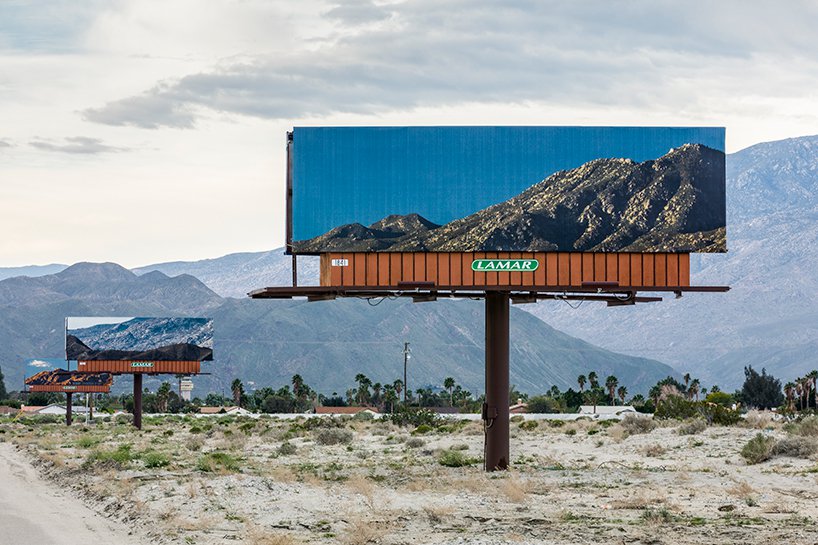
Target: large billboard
column 499, row 189
column 138, row 339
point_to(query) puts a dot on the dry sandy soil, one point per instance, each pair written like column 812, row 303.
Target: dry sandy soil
column 228, row 480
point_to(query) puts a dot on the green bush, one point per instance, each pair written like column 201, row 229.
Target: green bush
column 692, row 427
column 807, row 427
column 634, row 425
column 676, row 407
column 216, row 461
column 797, row 447
column 758, row 449
column 364, row 416
column 152, row 459
column 120, row 456
column 123, row 419
column 415, row 442
column 412, row 416
column 529, row 425
column 422, row 429
column 87, row 442
column 455, row 458
column 286, row 449
column 720, row 398
column 516, row 418
column 334, row 436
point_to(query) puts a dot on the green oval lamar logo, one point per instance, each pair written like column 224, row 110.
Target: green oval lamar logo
column 142, row 364
column 503, row 265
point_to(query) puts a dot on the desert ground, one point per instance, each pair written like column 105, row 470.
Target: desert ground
column 356, row 481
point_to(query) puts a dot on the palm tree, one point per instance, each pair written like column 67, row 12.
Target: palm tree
column 592, row 378
column 398, row 386
column 814, row 376
column 622, row 392
column 449, row 384
column 162, row 396
column 363, row 388
column 581, row 380
column 390, row 397
column 298, row 385
column 789, row 390
column 611, row 383
column 238, row 391
column 799, row 391
column 694, row 388
column 687, row 379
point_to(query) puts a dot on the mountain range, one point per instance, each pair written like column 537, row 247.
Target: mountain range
column 673, row 203
column 327, row 343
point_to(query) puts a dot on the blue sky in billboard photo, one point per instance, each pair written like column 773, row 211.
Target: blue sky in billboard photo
column 139, row 131
column 343, row 175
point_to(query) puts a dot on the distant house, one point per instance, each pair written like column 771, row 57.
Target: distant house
column 518, row 408
column 234, row 410
column 31, row 408
column 54, row 408
column 606, row 410
column 345, row 410
column 8, row 410
column 443, row 410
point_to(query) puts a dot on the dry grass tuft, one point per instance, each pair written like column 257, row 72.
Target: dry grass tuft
column 742, row 490
column 641, row 500
column 516, row 490
column 654, row 450
column 436, row 513
column 259, row 536
column 361, row 532
column 364, row 487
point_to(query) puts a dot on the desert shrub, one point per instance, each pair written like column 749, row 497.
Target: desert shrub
column 408, row 416
column 316, row 423
column 758, row 449
column 248, row 427
column 195, row 429
column 286, row 449
column 87, row 442
column 692, row 427
column 422, row 429
column 529, row 425
column 168, row 433
column 571, row 431
column 152, row 458
column 657, row 516
column 807, row 427
column 334, row 436
column 654, row 450
column 720, row 398
column 797, row 447
column 676, row 407
column 123, row 419
column 516, row 418
column 120, row 456
column 460, row 446
column 455, row 458
column 720, row 416
column 364, row 416
column 415, row 442
column 556, row 423
column 216, row 461
column 634, row 425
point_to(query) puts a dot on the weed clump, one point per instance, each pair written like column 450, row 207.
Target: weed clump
column 455, row 458
column 634, row 425
column 797, row 447
column 334, row 436
column 286, row 449
column 408, row 416
column 692, row 427
column 758, row 449
column 153, row 459
column 529, row 425
column 119, row 457
column 217, row 461
column 415, row 442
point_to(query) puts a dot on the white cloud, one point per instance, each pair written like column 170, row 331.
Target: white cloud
column 39, row 363
column 77, row 145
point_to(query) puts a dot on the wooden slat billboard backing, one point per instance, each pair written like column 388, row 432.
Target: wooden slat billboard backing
column 120, row 367
column 386, row 269
column 69, row 389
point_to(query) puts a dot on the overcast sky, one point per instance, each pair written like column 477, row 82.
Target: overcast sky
column 140, row 131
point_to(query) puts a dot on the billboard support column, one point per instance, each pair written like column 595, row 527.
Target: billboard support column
column 68, row 407
column 495, row 409
column 137, row 400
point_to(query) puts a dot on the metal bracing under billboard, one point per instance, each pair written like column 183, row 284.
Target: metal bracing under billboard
column 506, row 189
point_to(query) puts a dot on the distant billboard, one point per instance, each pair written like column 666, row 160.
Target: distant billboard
column 139, row 340
column 500, row 189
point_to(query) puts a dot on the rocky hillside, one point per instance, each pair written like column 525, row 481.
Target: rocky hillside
column 674, row 203
column 328, row 343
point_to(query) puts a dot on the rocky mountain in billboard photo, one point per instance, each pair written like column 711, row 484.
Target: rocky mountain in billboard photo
column 674, row 203
column 75, row 349
column 328, row 343
column 769, row 318
column 139, row 334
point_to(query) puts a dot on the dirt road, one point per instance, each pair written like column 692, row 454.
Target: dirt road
column 35, row 512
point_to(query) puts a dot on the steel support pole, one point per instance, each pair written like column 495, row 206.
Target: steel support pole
column 137, row 400
column 495, row 410
column 68, row 407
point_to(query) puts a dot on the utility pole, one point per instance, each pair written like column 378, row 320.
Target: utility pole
column 406, row 356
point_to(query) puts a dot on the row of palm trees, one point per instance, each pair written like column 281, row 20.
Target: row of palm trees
column 611, row 385
column 801, row 388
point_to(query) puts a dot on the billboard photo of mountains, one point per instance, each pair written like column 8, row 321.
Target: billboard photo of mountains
column 139, row 339
column 501, row 189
